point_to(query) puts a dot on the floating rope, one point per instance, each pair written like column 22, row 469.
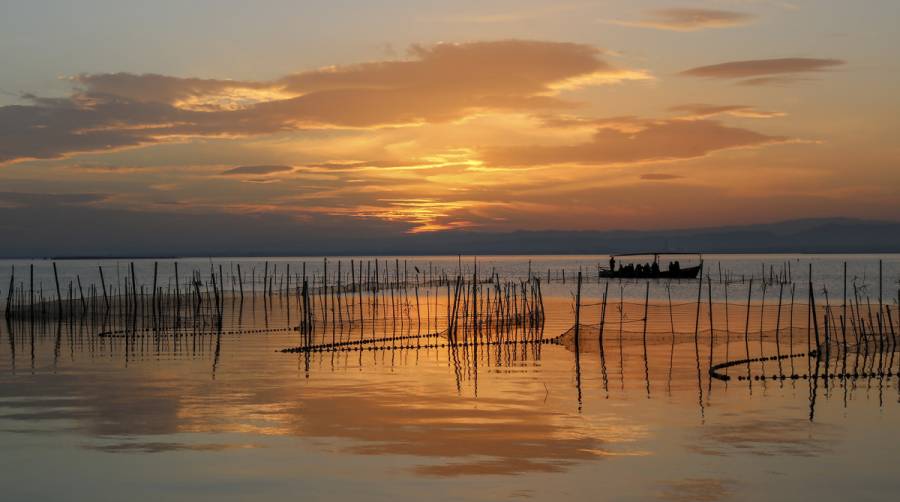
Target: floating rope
column 369, row 343
column 363, row 348
column 123, row 333
column 714, row 371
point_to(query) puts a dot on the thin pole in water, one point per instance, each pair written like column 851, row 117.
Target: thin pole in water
column 844, row 308
column 747, row 327
column 712, row 332
column 603, row 311
column 240, row 281
column 578, row 307
column 812, row 306
column 58, row 295
column 880, row 304
column 9, row 294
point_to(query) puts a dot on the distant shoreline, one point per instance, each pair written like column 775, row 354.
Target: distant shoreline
column 815, row 236
column 412, row 255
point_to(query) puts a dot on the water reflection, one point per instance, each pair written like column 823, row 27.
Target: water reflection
column 632, row 399
column 696, row 490
column 754, row 432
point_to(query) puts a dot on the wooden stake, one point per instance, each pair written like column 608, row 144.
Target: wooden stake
column 58, row 295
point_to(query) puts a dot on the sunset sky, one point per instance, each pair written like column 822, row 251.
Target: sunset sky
column 422, row 116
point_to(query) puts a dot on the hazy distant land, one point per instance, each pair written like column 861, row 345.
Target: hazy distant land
column 85, row 232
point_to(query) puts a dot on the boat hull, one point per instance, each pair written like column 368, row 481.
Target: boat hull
column 684, row 273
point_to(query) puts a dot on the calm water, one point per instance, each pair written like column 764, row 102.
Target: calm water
column 227, row 416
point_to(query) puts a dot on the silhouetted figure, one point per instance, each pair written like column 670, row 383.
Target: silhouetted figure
column 654, row 269
column 612, row 263
column 676, row 266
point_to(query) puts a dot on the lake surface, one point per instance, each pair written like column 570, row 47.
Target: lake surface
column 225, row 415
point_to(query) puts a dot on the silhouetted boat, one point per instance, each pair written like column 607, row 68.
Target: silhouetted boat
column 653, row 271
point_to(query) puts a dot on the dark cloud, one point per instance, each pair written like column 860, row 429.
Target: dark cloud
column 107, row 168
column 25, row 199
column 158, row 447
column 153, row 88
column 634, row 141
column 257, row 170
column 52, row 128
column 761, row 71
column 439, row 83
column 689, row 19
column 758, row 81
column 261, row 181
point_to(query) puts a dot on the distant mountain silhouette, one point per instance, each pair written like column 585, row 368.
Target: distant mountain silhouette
column 50, row 225
column 825, row 235
column 244, row 236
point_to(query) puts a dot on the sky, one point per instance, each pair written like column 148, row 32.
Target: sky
column 396, row 117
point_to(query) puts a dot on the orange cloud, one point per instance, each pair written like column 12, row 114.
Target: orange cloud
column 629, row 140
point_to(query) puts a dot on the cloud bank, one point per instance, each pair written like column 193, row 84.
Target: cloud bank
column 436, row 84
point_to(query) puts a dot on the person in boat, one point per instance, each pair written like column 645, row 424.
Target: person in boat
column 674, row 266
column 612, row 263
column 654, row 269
